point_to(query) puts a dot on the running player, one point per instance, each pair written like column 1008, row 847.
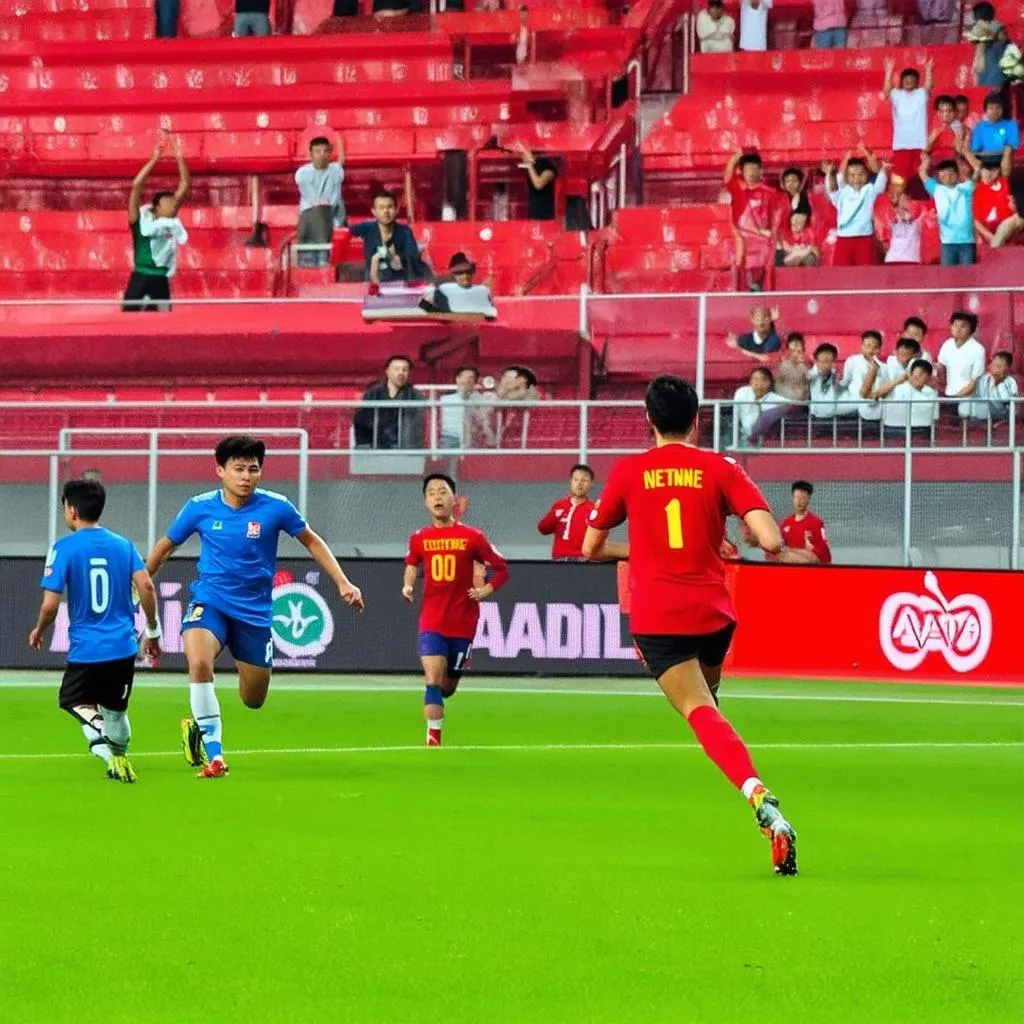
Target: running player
column 99, row 570
column 448, row 551
column 676, row 498
column 231, row 601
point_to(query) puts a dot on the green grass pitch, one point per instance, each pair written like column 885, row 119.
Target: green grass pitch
column 569, row 855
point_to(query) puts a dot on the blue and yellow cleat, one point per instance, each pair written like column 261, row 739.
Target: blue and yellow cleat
column 772, row 823
column 192, row 744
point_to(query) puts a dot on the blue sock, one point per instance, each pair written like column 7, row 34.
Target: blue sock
column 433, row 696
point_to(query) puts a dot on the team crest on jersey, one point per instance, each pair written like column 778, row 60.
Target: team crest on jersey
column 253, row 529
column 218, row 525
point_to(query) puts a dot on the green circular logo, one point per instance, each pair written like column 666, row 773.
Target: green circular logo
column 303, row 625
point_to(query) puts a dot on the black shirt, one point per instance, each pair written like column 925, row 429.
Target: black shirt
column 542, row 200
column 252, row 7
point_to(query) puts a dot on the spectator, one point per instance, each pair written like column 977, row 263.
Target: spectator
column 797, row 243
column 755, row 402
column 791, row 373
column 167, row 12
column 909, row 116
column 860, row 373
column 541, row 173
column 996, row 390
column 953, row 200
column 824, row 386
column 961, row 359
column 390, row 251
column 995, row 218
column 754, row 25
column 763, row 340
column 990, row 41
column 499, row 427
column 995, row 132
column 157, row 232
column 321, row 208
column 895, row 372
column 460, row 294
column 523, row 36
column 715, row 29
column 454, row 419
column 963, row 119
column 792, row 196
column 753, row 213
column 933, row 11
column 912, row 402
column 917, row 330
column 803, row 529
column 943, row 137
column 830, row 21
column 854, row 197
column 252, row 18
column 391, row 428
column 566, row 520
column 898, row 223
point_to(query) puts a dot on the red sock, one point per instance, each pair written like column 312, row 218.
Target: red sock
column 722, row 744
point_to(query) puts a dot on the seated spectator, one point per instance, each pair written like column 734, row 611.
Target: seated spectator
column 854, row 196
column 990, row 41
column 715, row 29
column 798, row 243
column 460, row 294
column 996, row 390
column 954, row 205
column 895, row 372
column 321, row 208
column 390, row 428
column 898, row 223
column 754, row 25
column 252, row 18
column 455, row 422
column 791, row 373
column 390, row 251
column 757, row 406
column 753, row 213
column 995, row 217
column 792, row 196
column 824, row 386
column 995, row 131
column 917, row 330
column 934, row 11
column 943, row 137
column 830, row 21
column 763, row 340
column 860, row 373
column 961, row 359
column 909, row 116
column 914, row 402
column 541, row 173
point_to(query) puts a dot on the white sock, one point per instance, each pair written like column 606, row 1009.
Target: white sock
column 750, row 785
column 96, row 744
column 434, row 723
column 117, row 730
column 206, row 712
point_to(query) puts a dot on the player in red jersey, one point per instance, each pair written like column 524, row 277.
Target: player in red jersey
column 803, row 529
column 677, row 498
column 567, row 518
column 448, row 551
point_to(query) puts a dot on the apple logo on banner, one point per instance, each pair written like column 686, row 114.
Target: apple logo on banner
column 910, row 626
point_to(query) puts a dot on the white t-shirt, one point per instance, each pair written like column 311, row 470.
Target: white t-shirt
column 748, row 409
column 963, row 364
column 905, row 243
column 827, row 395
column 855, row 372
column 893, row 368
column 754, row 25
column 909, row 118
column 922, row 406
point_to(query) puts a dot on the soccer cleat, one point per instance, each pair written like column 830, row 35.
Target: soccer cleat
column 192, row 743
column 215, row 769
column 777, row 829
column 120, row 768
column 433, row 737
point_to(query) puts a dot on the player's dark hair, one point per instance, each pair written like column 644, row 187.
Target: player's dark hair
column 1007, row 357
column 383, row 193
column 877, row 335
column 240, row 446
column 968, row 318
column 944, row 100
column 915, row 321
column 802, row 485
column 795, row 336
column 86, row 497
column 910, row 343
column 584, row 468
column 465, row 367
column 671, row 405
column 157, row 196
column 320, row 140
column 910, row 73
column 396, row 357
column 438, row 476
column 750, row 158
column 995, row 98
column 792, row 171
column 948, row 165
column 922, row 364
column 824, row 347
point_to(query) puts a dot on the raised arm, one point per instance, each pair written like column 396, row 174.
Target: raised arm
column 890, row 67
column 324, row 557
column 139, row 182
column 730, row 166
column 339, row 145
column 869, row 157
column 929, row 74
column 184, row 177
column 538, row 181
column 829, row 170
column 162, row 550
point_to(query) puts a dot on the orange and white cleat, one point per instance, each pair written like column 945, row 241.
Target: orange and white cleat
column 777, row 829
column 216, row 769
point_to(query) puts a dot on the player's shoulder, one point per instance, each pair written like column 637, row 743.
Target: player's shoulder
column 204, row 498
column 273, row 497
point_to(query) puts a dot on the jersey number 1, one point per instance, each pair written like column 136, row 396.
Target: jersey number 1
column 674, row 519
column 442, row 568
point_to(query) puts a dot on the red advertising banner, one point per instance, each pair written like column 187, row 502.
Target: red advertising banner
column 899, row 625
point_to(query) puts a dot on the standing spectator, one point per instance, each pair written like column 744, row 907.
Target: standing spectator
column 754, row 400
column 953, row 200
column 715, row 29
column 454, row 418
column 754, row 25
column 798, row 243
column 390, row 251
column 825, row 387
column 830, row 21
column 541, row 173
column 566, row 520
column 791, row 373
column 321, row 208
column 996, row 390
column 803, row 529
column 753, row 214
column 961, row 359
column 990, row 41
column 943, row 138
column 792, row 197
column 763, row 340
column 156, row 234
column 933, row 11
column 167, row 12
column 909, row 116
column 913, row 402
column 522, row 36
column 996, row 131
column 860, row 373
column 898, row 223
column 995, row 218
column 252, row 18
column 391, row 428
column 854, row 197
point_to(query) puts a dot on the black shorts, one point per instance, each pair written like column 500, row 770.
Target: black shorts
column 147, row 293
column 106, row 683
column 661, row 652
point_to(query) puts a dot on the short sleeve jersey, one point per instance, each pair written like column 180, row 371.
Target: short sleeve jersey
column 238, row 550
column 96, row 567
column 677, row 499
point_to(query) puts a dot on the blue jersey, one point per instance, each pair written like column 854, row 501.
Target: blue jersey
column 238, row 552
column 96, row 567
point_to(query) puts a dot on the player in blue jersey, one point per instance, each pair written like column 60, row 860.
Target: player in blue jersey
column 231, row 600
column 98, row 569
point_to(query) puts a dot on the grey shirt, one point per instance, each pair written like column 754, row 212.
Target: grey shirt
column 321, row 188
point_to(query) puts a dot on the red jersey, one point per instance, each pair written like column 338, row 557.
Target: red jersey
column 754, row 207
column 568, row 523
column 448, row 554
column 677, row 499
column 993, row 203
column 797, row 532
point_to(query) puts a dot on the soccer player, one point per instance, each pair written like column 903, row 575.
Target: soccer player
column 231, row 601
column 99, row 570
column 567, row 518
column 676, row 498
column 803, row 529
column 448, row 551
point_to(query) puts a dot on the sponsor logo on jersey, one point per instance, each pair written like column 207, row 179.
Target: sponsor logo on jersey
column 303, row 626
column 194, row 613
column 218, row 525
column 253, row 529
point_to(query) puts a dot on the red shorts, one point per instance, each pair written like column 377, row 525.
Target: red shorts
column 856, row 252
column 906, row 163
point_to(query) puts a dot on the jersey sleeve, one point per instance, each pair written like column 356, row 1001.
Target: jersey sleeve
column 610, row 508
column 487, row 554
column 741, row 494
column 549, row 523
column 55, row 572
column 186, row 523
column 414, row 554
column 292, row 520
column 135, row 558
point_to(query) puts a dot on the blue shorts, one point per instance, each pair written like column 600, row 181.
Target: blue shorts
column 252, row 644
column 456, row 651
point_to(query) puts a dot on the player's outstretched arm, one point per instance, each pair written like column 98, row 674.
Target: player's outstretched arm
column 409, row 583
column 47, row 613
column 324, row 557
column 598, row 548
column 162, row 550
